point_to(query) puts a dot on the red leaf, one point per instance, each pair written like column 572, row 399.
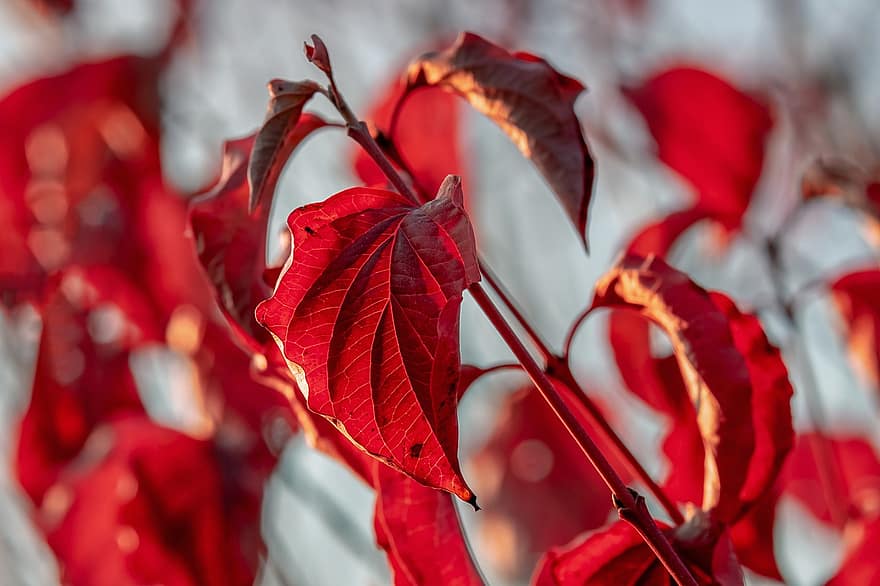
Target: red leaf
column 854, row 464
column 536, row 488
column 418, row 528
column 771, row 399
column 368, row 318
column 317, row 54
column 860, row 564
column 231, row 243
column 278, row 136
column 77, row 147
column 715, row 373
column 147, row 505
column 753, row 536
column 709, row 132
column 92, row 318
column 426, row 136
column 855, row 295
column 531, row 102
column 618, row 555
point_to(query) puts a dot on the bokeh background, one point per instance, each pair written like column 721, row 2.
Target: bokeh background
column 317, row 519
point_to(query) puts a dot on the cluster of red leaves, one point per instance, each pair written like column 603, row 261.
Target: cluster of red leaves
column 95, row 240
column 359, row 332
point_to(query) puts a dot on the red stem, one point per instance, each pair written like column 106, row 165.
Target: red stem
column 630, row 506
column 559, row 368
column 590, row 411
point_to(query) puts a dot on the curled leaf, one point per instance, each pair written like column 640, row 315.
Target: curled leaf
column 530, row 101
column 278, row 137
column 715, row 373
column 367, row 315
column 771, row 400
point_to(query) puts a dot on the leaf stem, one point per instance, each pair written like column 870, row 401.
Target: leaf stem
column 630, row 508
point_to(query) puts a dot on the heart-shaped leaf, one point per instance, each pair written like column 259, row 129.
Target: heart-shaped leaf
column 709, row 132
column 367, row 315
column 530, row 101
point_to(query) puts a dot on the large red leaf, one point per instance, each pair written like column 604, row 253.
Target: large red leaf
column 536, row 488
column 368, row 316
column 425, row 136
column 709, row 132
column 715, row 373
column 618, row 555
column 530, row 101
column 418, row 528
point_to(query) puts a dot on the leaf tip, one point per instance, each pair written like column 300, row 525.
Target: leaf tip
column 473, row 502
column 318, row 55
column 451, row 188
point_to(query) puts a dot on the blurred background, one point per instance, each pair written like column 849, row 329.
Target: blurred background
column 811, row 63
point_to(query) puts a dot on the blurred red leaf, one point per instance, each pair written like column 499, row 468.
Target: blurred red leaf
column 618, row 555
column 536, row 488
column 856, row 297
column 715, row 373
column 147, row 505
column 709, row 132
column 860, row 563
column 426, row 135
column 368, row 317
column 855, row 466
column 231, row 242
column 74, row 148
column 279, row 135
column 418, row 528
column 530, row 101
column 753, row 536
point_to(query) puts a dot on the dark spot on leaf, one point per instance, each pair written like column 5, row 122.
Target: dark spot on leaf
column 415, row 450
column 309, row 231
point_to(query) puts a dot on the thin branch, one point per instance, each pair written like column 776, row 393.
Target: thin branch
column 630, row 505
